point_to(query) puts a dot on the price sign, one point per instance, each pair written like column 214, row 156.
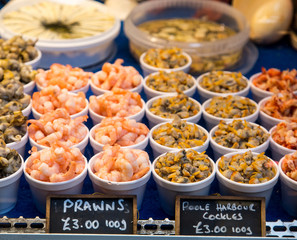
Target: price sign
column 220, row 216
column 95, row 214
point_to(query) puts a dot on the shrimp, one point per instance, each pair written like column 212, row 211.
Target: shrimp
column 125, row 168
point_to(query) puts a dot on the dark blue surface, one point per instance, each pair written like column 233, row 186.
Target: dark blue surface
column 280, row 55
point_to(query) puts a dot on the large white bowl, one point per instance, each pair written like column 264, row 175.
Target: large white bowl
column 148, row 69
column 150, row 93
column 81, row 52
column 26, row 111
column 288, row 191
column 154, row 119
column 35, row 62
column 159, row 149
column 19, row 146
column 135, row 187
column 206, row 94
column 98, row 147
column 169, row 190
column 96, row 118
column 81, row 145
column 232, row 188
column 99, row 91
column 212, row 121
column 219, row 150
column 29, row 87
column 278, row 151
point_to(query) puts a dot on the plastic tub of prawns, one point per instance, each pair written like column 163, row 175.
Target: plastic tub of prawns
column 212, row 121
column 19, row 146
column 154, row 119
column 40, row 189
column 219, row 150
column 81, row 145
column 97, row 118
column 278, row 151
column 98, row 147
column 232, row 188
column 9, row 189
column 169, row 190
column 83, row 112
column 159, row 149
column 135, row 187
column 150, row 93
column 288, row 191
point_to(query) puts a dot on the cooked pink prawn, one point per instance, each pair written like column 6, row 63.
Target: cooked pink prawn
column 52, row 97
column 47, row 130
column 121, row 131
column 63, row 76
column 116, row 76
column 118, row 102
column 46, row 165
column 120, row 165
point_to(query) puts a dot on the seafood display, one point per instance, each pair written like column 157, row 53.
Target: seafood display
column 223, row 82
column 180, row 105
column 165, row 58
column 13, row 125
column 281, row 106
column 186, row 30
column 289, row 165
column 170, row 81
column 275, row 80
column 121, row 165
column 13, row 70
column 55, row 164
column 239, row 134
column 10, row 160
column 53, row 20
column 53, row 97
column 184, row 166
column 57, row 126
column 12, row 96
column 116, row 76
column 285, row 134
column 120, row 131
column 116, row 103
column 18, row 48
column 247, row 168
column 231, row 107
column 70, row 78
column 179, row 134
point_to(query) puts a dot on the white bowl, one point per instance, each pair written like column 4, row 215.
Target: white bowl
column 98, row 147
column 19, row 146
column 136, row 187
column 40, row 190
column 9, row 189
column 96, row 118
column 150, row 93
column 81, row 145
column 212, row 121
column 159, row 149
column 169, row 190
column 81, row 52
column 232, row 188
column 266, row 120
column 206, row 94
column 288, row 191
column 148, row 69
column 35, row 62
column 29, row 87
column 219, row 150
column 278, row 151
column 99, row 91
column 84, row 112
column 84, row 89
column 26, row 111
column 154, row 119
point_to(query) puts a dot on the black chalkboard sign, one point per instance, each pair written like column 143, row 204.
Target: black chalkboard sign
column 94, row 214
column 220, row 216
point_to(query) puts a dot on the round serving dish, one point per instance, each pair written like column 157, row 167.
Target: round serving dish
column 206, row 56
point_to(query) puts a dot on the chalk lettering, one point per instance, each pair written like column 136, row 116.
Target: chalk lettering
column 121, row 207
column 109, row 207
column 221, row 216
column 186, row 206
column 67, row 204
column 66, row 224
column 77, row 205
